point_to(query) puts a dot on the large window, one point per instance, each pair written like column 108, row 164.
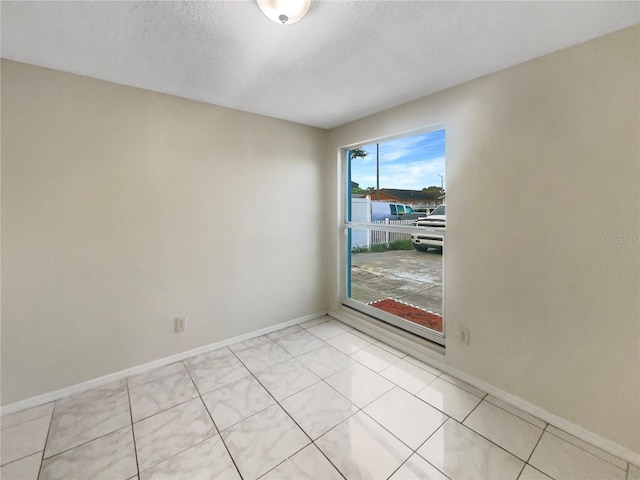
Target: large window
column 394, row 249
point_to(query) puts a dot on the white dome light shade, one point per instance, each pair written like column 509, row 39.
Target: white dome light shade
column 284, row 12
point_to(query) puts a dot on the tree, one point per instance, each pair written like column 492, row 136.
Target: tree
column 358, row 153
column 433, row 191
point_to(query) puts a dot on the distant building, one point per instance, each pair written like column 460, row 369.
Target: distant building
column 409, row 197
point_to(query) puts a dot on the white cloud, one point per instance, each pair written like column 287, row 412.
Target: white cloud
column 394, row 155
column 408, row 163
column 413, row 176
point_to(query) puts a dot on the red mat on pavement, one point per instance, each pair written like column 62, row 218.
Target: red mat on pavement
column 410, row 313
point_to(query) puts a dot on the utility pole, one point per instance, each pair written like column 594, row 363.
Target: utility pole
column 441, row 181
column 378, row 171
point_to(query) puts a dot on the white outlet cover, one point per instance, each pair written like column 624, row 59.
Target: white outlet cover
column 463, row 335
column 180, row 324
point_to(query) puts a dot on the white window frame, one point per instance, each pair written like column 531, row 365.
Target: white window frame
column 345, row 253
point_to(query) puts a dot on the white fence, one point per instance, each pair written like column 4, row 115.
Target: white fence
column 367, row 238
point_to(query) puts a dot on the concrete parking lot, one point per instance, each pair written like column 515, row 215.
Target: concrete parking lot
column 407, row 275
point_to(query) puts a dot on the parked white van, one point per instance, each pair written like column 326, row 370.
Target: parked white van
column 381, row 211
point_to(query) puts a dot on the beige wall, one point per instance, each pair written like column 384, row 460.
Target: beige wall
column 116, row 217
column 550, row 150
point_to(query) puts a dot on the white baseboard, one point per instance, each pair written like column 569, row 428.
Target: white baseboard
column 96, row 382
column 434, row 355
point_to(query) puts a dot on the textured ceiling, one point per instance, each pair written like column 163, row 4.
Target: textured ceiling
column 345, row 60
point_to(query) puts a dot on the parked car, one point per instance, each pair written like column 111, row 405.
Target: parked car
column 412, row 216
column 424, row 210
column 435, row 237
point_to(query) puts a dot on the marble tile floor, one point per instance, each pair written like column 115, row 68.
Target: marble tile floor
column 318, row 400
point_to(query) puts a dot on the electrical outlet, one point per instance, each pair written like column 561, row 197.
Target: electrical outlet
column 181, row 324
column 463, row 335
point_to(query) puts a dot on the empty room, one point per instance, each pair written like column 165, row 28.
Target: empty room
column 225, row 252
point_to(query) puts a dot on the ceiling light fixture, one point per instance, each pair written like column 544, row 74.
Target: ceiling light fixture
column 284, row 12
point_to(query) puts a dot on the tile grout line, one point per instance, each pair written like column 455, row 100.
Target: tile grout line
column 361, row 409
column 80, row 444
column 400, row 466
column 174, row 406
column 537, row 470
column 322, row 380
column 490, row 441
column 271, row 395
column 521, row 470
column 159, row 376
column 590, row 445
column 587, row 451
column 286, row 412
column 44, row 449
column 212, row 421
column 486, row 398
column 133, row 435
column 482, row 399
column 30, row 454
column 322, row 451
column 535, row 446
column 428, row 438
column 472, row 410
column 413, row 451
column 533, row 451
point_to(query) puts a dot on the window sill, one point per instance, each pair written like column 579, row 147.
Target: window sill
column 406, row 342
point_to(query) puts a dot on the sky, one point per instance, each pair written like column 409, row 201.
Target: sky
column 411, row 163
